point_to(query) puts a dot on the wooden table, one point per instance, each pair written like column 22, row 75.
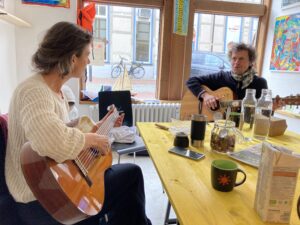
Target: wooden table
column 188, row 185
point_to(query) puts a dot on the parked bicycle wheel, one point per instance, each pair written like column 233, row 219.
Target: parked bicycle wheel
column 138, row 72
column 116, row 71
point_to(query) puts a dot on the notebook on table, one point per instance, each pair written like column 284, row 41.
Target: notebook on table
column 250, row 156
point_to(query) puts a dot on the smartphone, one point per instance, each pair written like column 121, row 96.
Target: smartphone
column 186, row 153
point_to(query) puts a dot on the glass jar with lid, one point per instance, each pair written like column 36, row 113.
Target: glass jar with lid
column 224, row 136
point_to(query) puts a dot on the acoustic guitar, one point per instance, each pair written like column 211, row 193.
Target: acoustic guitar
column 73, row 190
column 191, row 105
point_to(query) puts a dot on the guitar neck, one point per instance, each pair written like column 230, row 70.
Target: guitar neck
column 108, row 124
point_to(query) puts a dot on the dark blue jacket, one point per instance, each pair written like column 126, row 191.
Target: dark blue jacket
column 224, row 79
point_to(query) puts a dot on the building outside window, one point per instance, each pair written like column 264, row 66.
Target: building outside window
column 100, row 31
column 143, row 33
column 130, row 34
column 244, row 1
column 212, row 34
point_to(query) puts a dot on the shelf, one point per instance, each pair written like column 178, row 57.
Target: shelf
column 13, row 19
column 287, row 113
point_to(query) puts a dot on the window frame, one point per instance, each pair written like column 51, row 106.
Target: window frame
column 174, row 53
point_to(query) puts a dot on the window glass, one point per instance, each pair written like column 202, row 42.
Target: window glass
column 244, row 1
column 212, row 60
column 129, row 40
column 101, row 10
column 143, row 34
column 212, row 34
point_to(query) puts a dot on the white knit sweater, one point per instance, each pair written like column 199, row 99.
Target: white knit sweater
column 37, row 115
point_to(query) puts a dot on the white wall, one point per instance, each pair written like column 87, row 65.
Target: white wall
column 27, row 40
column 8, row 76
column 41, row 18
column 281, row 83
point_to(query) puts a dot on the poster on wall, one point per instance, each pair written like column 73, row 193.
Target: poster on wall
column 286, row 4
column 181, row 17
column 97, row 56
column 286, row 44
column 53, row 3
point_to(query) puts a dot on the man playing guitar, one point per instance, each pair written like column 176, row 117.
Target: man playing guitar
column 241, row 77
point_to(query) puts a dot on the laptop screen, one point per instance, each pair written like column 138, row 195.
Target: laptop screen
column 122, row 101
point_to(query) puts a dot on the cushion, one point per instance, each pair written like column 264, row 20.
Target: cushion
column 3, row 141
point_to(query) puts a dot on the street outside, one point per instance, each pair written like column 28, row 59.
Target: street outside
column 144, row 89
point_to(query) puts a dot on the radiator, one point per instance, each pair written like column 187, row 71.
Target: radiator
column 162, row 112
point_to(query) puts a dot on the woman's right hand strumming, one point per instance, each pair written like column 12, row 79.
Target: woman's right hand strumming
column 99, row 142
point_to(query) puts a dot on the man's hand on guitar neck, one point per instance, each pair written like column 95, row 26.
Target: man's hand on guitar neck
column 210, row 101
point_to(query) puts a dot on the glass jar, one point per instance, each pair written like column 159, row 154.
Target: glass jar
column 248, row 108
column 263, row 115
column 223, row 136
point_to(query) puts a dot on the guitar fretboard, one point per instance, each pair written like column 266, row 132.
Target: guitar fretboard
column 108, row 124
column 88, row 156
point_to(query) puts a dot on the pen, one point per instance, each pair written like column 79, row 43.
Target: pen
column 161, row 126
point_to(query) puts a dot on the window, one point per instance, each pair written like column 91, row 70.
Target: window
column 144, row 13
column 244, row 1
column 213, row 33
column 100, row 32
column 143, row 34
column 125, row 28
column 129, row 42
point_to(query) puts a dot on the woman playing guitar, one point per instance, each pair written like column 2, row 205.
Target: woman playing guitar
column 38, row 114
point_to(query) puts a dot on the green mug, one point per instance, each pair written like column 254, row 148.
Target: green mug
column 224, row 173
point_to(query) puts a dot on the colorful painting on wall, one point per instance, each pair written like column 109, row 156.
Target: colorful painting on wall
column 53, row 3
column 286, row 44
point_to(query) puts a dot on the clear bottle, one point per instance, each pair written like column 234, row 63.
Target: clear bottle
column 248, row 108
column 263, row 115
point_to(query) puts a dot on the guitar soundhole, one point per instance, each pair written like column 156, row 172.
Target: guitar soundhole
column 217, row 108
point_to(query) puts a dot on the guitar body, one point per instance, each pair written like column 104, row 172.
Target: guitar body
column 61, row 188
column 190, row 103
column 67, row 193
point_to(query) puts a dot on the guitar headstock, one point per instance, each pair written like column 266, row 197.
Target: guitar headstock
column 289, row 100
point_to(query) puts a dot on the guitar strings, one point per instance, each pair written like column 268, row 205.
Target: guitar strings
column 87, row 156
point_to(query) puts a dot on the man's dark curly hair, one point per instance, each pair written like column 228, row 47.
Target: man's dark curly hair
column 236, row 47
